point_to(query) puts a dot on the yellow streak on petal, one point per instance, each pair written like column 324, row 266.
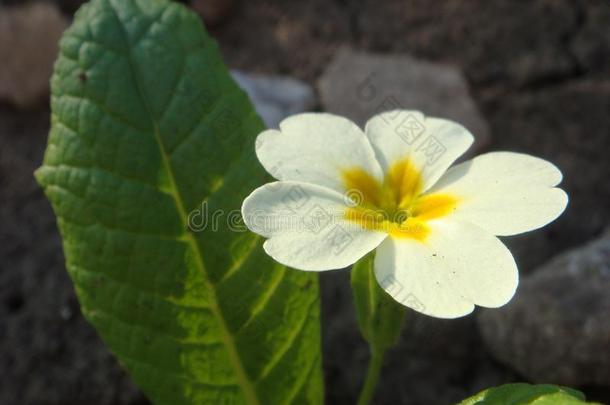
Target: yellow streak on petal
column 412, row 228
column 433, row 206
column 368, row 186
column 403, row 181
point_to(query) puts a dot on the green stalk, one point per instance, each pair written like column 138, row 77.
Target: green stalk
column 380, row 319
column 372, row 376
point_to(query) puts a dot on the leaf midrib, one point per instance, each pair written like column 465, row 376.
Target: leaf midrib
column 246, row 385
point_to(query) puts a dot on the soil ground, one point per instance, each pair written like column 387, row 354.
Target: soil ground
column 538, row 70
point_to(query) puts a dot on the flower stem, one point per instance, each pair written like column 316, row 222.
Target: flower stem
column 372, row 376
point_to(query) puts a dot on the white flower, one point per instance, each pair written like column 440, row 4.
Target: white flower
column 343, row 193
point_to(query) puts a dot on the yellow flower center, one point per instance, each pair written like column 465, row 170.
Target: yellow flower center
column 396, row 206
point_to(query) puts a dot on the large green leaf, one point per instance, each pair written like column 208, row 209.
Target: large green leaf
column 527, row 394
column 147, row 128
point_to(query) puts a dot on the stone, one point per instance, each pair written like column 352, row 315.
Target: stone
column 29, row 36
column 359, row 85
column 276, row 97
column 557, row 328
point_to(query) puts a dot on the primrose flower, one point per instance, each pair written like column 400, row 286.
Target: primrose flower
column 343, row 193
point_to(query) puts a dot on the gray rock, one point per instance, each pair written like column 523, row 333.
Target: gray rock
column 557, row 328
column 276, row 97
column 29, row 34
column 359, row 85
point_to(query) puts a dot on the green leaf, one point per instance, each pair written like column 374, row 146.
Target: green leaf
column 149, row 133
column 527, row 394
column 380, row 317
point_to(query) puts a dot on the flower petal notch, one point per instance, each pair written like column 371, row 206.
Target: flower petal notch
column 343, row 192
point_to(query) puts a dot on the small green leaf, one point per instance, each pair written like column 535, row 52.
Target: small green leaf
column 527, row 394
column 148, row 133
column 380, row 317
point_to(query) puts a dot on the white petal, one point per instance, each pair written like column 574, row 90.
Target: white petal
column 432, row 144
column 314, row 148
column 305, row 226
column 457, row 267
column 505, row 193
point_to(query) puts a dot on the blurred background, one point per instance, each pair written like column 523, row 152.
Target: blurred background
column 527, row 76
